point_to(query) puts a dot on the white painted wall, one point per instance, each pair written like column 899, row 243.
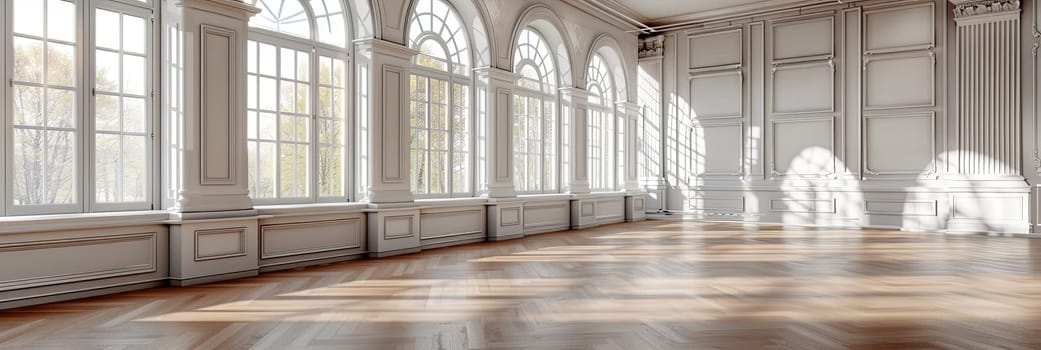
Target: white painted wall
column 862, row 114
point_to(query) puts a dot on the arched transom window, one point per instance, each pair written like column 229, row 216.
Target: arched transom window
column 439, row 102
column 297, row 78
column 535, row 125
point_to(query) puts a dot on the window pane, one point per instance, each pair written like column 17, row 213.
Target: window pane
column 134, row 75
column 134, row 115
column 44, row 163
column 28, row 60
column 59, row 27
column 106, row 113
column 134, row 34
column 106, row 165
column 27, row 105
column 107, row 29
column 106, row 71
column 28, row 18
column 60, row 108
column 61, row 64
column 135, row 169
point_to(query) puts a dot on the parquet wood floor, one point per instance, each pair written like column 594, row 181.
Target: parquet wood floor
column 650, row 285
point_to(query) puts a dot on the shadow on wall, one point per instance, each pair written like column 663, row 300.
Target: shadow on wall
column 816, row 192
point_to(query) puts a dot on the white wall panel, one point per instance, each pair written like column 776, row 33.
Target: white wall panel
column 717, row 95
column 804, row 88
column 804, row 38
column 900, row 81
column 715, row 49
column 803, row 147
column 900, row 27
column 901, row 144
column 720, row 149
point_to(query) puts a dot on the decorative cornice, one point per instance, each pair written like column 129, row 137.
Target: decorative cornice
column 970, row 8
column 652, row 47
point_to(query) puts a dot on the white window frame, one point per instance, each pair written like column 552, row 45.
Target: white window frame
column 84, row 58
column 315, row 49
column 453, row 77
column 549, row 93
column 610, row 119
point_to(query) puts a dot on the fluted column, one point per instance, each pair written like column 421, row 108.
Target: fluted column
column 988, row 89
column 988, row 192
column 651, row 135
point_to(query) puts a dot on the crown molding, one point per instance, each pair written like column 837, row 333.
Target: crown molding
column 620, row 12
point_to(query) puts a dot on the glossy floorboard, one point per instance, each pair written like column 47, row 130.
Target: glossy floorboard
column 648, row 285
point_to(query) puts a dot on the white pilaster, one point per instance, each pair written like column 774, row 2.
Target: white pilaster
column 630, row 114
column 650, row 139
column 214, row 234
column 385, row 120
column 987, row 189
column 205, row 67
column 497, row 123
column 574, row 103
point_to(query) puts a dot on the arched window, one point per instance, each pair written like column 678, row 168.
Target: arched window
column 603, row 138
column 439, row 102
column 78, row 112
column 297, row 103
column 535, row 125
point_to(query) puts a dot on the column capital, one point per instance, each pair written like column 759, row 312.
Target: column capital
column 231, row 8
column 385, row 48
column 497, row 75
column 630, row 108
column 652, row 48
column 985, row 10
column 575, row 94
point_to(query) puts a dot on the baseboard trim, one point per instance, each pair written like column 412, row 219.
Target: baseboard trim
column 80, row 293
column 393, row 252
column 213, row 278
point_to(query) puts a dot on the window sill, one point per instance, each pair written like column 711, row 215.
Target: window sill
column 309, row 209
column 450, row 202
column 546, row 197
column 65, row 222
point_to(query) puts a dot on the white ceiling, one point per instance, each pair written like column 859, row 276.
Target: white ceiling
column 665, row 13
column 655, row 10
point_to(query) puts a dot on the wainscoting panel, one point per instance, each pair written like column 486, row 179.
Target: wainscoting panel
column 60, row 265
column 548, row 216
column 289, row 242
column 449, row 226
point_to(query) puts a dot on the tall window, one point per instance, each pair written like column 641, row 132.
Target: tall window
column 78, row 127
column 535, row 124
column 603, row 140
column 439, row 102
column 297, row 78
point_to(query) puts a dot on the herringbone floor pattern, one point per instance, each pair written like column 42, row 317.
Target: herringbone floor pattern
column 649, row 285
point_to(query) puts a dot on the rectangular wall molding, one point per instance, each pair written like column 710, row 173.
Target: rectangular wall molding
column 218, row 116
column 220, row 243
column 62, row 261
